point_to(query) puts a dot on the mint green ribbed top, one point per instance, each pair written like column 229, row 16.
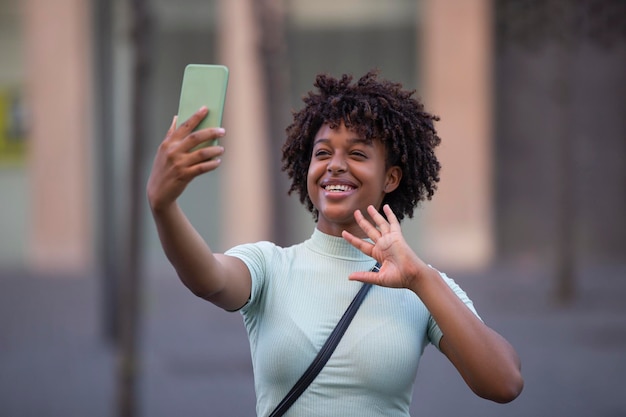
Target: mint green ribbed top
column 298, row 295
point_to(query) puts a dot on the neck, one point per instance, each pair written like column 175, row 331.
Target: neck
column 337, row 229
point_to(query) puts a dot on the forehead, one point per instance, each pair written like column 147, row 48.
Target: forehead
column 328, row 131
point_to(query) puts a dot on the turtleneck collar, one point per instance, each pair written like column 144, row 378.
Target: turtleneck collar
column 334, row 246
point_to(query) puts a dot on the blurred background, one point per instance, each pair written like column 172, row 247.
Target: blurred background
column 529, row 218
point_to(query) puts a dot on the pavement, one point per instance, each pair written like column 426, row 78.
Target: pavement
column 195, row 359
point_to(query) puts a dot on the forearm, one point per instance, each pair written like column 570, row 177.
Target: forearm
column 486, row 361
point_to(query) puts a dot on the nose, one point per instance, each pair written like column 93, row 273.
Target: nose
column 336, row 164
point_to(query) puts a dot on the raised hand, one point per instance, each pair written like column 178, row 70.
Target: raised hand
column 176, row 163
column 400, row 266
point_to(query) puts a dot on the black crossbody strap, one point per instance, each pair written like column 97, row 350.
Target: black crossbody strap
column 325, row 352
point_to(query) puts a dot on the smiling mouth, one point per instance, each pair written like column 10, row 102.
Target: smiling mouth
column 337, row 188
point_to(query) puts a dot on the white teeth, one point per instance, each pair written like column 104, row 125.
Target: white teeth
column 336, row 188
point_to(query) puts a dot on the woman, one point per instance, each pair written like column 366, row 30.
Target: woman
column 361, row 157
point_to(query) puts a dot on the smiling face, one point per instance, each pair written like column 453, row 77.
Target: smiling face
column 346, row 173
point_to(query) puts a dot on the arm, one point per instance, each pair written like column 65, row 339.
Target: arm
column 220, row 279
column 486, row 361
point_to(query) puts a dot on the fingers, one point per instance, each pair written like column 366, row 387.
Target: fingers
column 205, row 154
column 190, row 124
column 391, row 216
column 191, row 164
column 369, row 229
column 381, row 225
column 172, row 127
column 181, row 160
column 379, row 220
column 199, row 137
column 201, row 168
column 178, row 134
column 186, row 135
column 366, row 277
column 362, row 245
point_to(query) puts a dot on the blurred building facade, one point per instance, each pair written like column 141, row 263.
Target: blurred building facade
column 523, row 112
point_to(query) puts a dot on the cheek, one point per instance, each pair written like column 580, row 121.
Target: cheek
column 316, row 170
column 311, row 180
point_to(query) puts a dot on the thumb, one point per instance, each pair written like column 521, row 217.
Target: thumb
column 172, row 126
column 366, row 277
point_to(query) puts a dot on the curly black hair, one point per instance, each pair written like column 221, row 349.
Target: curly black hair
column 373, row 108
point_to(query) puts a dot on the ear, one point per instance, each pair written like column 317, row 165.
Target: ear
column 394, row 175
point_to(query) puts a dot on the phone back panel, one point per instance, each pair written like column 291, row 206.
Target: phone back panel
column 203, row 85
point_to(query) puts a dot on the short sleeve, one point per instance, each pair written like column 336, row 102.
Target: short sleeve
column 434, row 332
column 256, row 257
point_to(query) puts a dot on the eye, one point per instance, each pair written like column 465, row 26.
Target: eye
column 320, row 153
column 359, row 154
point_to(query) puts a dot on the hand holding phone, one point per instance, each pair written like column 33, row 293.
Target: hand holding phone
column 203, row 85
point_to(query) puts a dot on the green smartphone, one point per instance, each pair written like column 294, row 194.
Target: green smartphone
column 203, row 85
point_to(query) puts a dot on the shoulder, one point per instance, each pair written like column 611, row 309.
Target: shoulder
column 252, row 248
column 457, row 289
column 261, row 252
column 265, row 258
